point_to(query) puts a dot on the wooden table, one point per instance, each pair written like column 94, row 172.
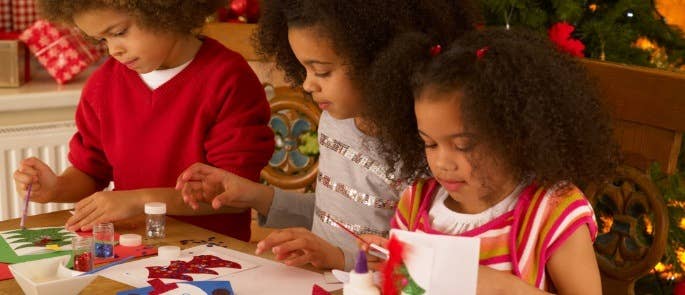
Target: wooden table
column 176, row 231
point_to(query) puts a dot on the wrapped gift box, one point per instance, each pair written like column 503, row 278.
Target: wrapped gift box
column 61, row 50
column 23, row 14
column 5, row 16
column 14, row 58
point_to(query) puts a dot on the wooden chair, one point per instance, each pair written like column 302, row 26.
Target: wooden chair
column 648, row 107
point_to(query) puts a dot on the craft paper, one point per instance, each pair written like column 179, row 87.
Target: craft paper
column 137, row 273
column 32, row 241
column 257, row 276
column 441, row 264
column 8, row 255
column 185, row 288
column 5, row 273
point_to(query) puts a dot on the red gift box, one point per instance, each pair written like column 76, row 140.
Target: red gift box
column 61, row 50
column 23, row 14
column 5, row 16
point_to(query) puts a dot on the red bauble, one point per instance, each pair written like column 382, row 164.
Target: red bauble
column 560, row 34
column 246, row 10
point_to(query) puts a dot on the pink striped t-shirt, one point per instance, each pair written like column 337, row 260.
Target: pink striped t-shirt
column 520, row 240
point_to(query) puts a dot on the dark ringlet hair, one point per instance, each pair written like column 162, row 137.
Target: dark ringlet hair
column 358, row 29
column 531, row 105
column 180, row 16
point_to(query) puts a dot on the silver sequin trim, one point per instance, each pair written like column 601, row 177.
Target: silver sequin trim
column 356, row 228
column 360, row 159
column 356, row 196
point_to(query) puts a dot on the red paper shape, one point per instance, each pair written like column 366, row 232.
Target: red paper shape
column 178, row 269
column 160, row 287
column 61, row 50
column 5, row 273
column 317, row 290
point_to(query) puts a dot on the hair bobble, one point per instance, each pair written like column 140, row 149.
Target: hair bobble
column 481, row 52
column 435, row 50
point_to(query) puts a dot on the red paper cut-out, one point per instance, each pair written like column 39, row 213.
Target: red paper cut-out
column 178, row 269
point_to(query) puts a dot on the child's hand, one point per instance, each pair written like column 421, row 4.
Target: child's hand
column 204, row 183
column 42, row 179
column 201, row 183
column 104, row 207
column 298, row 246
column 374, row 262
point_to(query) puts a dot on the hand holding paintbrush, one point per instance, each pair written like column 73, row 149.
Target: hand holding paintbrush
column 372, row 248
column 22, row 224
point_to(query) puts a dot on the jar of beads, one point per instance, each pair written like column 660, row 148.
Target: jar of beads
column 155, row 220
column 104, row 240
column 82, row 248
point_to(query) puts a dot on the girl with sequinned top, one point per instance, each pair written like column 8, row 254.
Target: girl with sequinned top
column 328, row 48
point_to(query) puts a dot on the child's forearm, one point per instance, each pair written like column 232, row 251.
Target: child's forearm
column 73, row 185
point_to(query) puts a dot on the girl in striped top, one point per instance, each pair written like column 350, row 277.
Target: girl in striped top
column 508, row 124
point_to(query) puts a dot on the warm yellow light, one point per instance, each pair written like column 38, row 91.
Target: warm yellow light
column 673, row 11
column 648, row 224
column 592, row 7
column 608, row 222
column 644, row 43
column 682, row 223
column 660, row 267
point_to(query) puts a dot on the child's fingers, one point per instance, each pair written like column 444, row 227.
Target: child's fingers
column 299, row 260
column 274, row 239
column 290, row 246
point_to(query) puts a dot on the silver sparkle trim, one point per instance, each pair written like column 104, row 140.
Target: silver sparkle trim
column 355, row 195
column 362, row 160
column 356, row 228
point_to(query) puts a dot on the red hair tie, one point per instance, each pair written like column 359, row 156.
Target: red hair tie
column 481, row 52
column 435, row 50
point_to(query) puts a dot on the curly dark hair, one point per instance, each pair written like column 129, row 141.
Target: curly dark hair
column 529, row 104
column 180, row 16
column 358, row 29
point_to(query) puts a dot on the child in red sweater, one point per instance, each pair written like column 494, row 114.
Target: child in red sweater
column 165, row 99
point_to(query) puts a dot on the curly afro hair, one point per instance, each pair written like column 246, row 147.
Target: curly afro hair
column 180, row 16
column 358, row 29
column 529, row 104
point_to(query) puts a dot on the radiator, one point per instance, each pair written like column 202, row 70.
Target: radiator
column 48, row 142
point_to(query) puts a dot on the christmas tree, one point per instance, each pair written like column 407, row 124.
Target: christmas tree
column 623, row 31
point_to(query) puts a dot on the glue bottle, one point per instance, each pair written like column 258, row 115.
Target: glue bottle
column 361, row 279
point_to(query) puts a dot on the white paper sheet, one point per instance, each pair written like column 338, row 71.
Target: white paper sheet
column 258, row 276
column 441, row 264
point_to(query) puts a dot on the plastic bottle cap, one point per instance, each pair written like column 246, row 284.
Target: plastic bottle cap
column 130, row 240
column 155, row 208
column 361, row 266
column 168, row 252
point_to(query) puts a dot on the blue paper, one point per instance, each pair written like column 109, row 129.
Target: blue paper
column 197, row 287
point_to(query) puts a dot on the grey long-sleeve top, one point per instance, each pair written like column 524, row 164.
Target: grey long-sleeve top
column 353, row 188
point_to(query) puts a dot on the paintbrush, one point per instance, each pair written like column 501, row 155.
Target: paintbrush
column 374, row 249
column 26, row 207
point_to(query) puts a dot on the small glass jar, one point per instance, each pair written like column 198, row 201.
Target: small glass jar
column 82, row 248
column 103, row 234
column 155, row 221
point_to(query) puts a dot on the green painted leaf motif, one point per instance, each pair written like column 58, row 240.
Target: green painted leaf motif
column 411, row 288
column 38, row 237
